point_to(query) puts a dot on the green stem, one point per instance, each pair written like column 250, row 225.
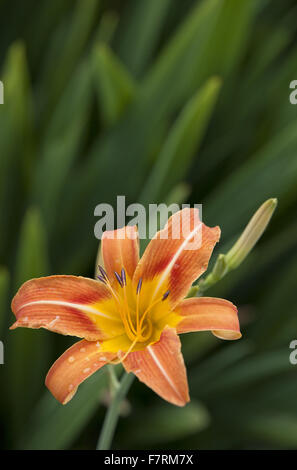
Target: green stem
column 112, row 415
column 113, row 380
column 206, row 283
column 220, row 269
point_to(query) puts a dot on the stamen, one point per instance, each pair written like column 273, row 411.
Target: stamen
column 123, row 277
column 147, row 335
column 121, row 359
column 123, row 309
column 137, row 303
column 137, row 326
column 103, row 272
column 119, row 279
column 138, row 289
column 126, row 304
column 151, row 306
column 101, row 278
column 165, row 295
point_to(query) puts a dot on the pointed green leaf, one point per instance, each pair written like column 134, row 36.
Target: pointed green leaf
column 216, row 365
column 4, row 291
column 28, row 350
column 113, row 82
column 167, row 423
column 248, row 372
column 273, row 171
column 136, row 54
column 32, row 255
column 184, row 138
column 65, row 49
column 62, row 142
column 107, row 27
column 16, row 138
column 278, row 429
column 53, row 426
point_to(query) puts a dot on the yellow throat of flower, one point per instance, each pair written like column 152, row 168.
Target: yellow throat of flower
column 136, row 319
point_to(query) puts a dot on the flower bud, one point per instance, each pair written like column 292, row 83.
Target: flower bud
column 251, row 234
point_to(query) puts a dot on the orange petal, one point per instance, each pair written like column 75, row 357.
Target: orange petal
column 161, row 367
column 207, row 313
column 120, row 249
column 177, row 255
column 68, row 305
column 74, row 366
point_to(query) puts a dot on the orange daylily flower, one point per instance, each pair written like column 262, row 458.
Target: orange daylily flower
column 135, row 310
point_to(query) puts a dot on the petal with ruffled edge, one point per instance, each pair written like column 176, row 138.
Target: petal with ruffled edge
column 74, row 366
column 161, row 367
column 175, row 257
column 208, row 313
column 68, row 305
column 120, row 249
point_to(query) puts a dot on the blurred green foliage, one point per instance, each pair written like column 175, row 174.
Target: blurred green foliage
column 157, row 100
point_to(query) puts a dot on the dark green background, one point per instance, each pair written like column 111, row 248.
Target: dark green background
column 161, row 101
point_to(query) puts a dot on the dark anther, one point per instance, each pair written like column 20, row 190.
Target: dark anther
column 103, row 272
column 123, row 277
column 166, row 295
column 139, row 286
column 119, row 279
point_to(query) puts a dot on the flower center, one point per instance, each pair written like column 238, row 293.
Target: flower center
column 138, row 325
